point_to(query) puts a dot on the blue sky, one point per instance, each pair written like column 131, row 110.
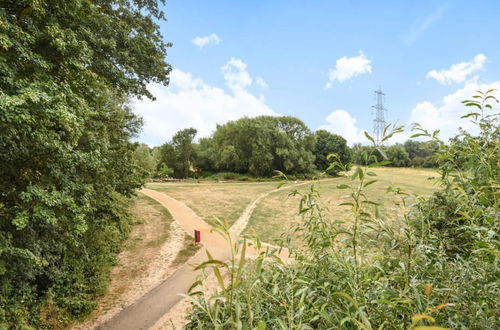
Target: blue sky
column 277, row 57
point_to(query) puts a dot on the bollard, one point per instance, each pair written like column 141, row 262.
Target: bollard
column 197, row 236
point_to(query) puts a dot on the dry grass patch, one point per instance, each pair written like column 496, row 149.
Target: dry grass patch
column 155, row 247
column 222, row 200
column 273, row 218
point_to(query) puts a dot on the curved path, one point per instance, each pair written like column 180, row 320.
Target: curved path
column 153, row 305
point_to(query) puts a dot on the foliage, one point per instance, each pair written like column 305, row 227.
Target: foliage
column 374, row 273
column 164, row 171
column 361, row 152
column 67, row 69
column 276, row 143
column 464, row 214
column 326, row 144
column 411, row 153
column 422, row 154
column 204, row 150
column 179, row 154
column 398, row 156
column 144, row 159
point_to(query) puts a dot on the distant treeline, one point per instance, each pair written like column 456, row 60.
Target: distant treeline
column 409, row 154
column 262, row 145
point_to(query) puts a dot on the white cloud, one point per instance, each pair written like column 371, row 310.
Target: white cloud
column 342, row 123
column 349, row 67
column 431, row 116
column 261, row 82
column 458, row 72
column 446, row 116
column 190, row 102
column 207, row 40
column 236, row 75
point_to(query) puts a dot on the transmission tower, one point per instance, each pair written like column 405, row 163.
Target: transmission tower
column 379, row 121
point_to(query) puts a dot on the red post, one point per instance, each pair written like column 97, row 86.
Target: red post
column 197, row 236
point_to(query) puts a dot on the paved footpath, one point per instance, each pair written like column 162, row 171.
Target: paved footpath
column 144, row 313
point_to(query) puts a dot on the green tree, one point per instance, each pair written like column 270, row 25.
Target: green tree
column 182, row 143
column 261, row 145
column 328, row 143
column 364, row 155
column 180, row 153
column 422, row 154
column 204, row 151
column 397, row 155
column 67, row 69
column 144, row 159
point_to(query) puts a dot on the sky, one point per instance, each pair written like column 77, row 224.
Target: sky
column 321, row 61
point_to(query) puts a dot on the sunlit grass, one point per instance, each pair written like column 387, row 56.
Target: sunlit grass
column 274, row 216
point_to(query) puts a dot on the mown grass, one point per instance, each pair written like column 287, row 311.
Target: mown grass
column 222, row 200
column 273, row 217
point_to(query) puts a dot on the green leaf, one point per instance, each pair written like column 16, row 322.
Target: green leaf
column 473, row 104
column 475, row 114
column 357, row 172
column 369, row 183
column 368, row 136
column 211, row 263
column 382, row 163
column 343, row 186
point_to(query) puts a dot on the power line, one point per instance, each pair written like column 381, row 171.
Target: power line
column 379, row 121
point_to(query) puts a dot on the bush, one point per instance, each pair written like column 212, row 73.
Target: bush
column 398, row 156
column 439, row 267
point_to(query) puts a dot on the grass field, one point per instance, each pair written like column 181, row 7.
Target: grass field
column 223, row 200
column 273, row 216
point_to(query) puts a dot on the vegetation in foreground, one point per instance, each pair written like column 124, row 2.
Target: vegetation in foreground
column 438, row 270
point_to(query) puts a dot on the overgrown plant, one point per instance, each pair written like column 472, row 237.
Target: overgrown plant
column 368, row 272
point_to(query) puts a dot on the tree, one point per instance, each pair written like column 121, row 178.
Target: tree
column 328, row 143
column 422, row 154
column 263, row 144
column 180, row 153
column 67, row 70
column 204, row 151
column 364, row 155
column 398, row 156
column 182, row 143
column 144, row 159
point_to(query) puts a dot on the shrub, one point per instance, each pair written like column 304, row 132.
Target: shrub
column 367, row 274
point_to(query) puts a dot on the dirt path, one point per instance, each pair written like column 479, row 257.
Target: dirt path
column 241, row 223
column 151, row 307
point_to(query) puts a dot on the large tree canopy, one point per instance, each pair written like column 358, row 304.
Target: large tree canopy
column 179, row 154
column 67, row 69
column 262, row 145
column 328, row 143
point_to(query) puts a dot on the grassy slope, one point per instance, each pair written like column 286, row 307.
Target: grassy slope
column 274, row 215
column 223, row 200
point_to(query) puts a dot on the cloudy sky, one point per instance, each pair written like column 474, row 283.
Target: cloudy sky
column 321, row 61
